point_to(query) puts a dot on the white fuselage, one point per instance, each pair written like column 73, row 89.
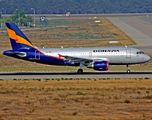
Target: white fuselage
column 114, row 55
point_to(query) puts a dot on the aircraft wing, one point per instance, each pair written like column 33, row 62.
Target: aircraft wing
column 77, row 59
column 83, row 60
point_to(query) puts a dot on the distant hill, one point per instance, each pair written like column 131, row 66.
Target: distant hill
column 77, row 6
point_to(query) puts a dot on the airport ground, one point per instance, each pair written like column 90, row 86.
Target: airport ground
column 83, row 99
column 93, row 95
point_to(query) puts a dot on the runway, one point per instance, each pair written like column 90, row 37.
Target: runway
column 50, row 75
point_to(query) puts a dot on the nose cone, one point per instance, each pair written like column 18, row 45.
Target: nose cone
column 147, row 58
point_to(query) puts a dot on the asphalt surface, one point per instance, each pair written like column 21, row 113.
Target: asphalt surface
column 50, row 75
column 138, row 28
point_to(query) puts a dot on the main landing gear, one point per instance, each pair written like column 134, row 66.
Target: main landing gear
column 128, row 71
column 80, row 70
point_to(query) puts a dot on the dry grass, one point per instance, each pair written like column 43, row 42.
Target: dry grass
column 76, row 99
column 77, row 33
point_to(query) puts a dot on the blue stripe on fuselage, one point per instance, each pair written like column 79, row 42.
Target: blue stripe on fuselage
column 53, row 61
column 35, row 56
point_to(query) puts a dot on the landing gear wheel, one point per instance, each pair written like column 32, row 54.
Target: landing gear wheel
column 128, row 71
column 80, row 71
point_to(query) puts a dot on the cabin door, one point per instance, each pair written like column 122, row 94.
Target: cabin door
column 37, row 55
column 128, row 53
column 90, row 54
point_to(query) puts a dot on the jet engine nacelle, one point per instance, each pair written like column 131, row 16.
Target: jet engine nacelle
column 99, row 65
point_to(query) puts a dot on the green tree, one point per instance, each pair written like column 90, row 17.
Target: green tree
column 29, row 19
column 7, row 20
column 19, row 16
column 77, row 6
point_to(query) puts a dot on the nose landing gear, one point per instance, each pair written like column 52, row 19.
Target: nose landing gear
column 128, row 71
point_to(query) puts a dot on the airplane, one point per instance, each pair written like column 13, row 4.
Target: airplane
column 97, row 58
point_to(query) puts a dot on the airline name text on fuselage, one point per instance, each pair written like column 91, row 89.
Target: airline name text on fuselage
column 106, row 51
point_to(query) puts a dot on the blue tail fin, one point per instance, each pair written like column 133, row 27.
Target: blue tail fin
column 17, row 38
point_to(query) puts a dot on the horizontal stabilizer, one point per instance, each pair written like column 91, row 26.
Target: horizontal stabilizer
column 16, row 53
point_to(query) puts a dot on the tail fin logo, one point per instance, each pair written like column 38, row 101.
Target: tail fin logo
column 18, row 39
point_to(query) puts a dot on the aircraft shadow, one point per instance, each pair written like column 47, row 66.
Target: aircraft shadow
column 75, row 73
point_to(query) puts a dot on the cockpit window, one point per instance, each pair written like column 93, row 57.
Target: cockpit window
column 140, row 52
